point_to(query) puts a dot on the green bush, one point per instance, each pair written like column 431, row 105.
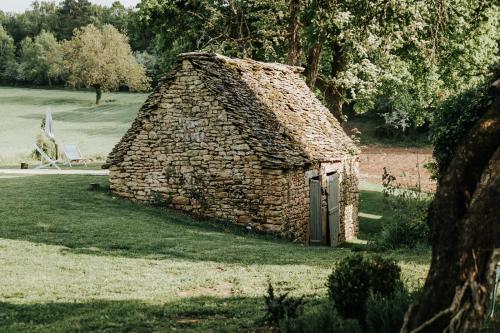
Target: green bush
column 321, row 318
column 408, row 227
column 386, row 314
column 349, row 286
column 46, row 145
column 354, row 278
column 385, row 276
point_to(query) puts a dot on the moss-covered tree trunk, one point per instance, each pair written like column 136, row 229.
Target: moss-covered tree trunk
column 465, row 234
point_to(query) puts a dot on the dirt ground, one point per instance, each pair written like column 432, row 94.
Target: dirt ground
column 406, row 164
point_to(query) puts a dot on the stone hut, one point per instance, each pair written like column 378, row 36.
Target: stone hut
column 244, row 141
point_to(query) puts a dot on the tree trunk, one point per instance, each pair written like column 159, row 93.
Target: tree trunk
column 312, row 68
column 98, row 94
column 334, row 95
column 465, row 234
column 294, row 46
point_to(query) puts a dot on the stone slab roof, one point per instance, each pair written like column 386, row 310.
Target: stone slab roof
column 271, row 105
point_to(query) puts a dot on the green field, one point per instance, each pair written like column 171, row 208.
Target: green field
column 75, row 260
column 76, row 120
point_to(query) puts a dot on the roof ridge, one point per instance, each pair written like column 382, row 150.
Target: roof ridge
column 240, row 61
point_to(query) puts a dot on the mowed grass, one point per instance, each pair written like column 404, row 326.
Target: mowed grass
column 75, row 260
column 96, row 129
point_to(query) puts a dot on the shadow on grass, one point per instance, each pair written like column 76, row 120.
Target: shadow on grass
column 202, row 314
column 62, row 211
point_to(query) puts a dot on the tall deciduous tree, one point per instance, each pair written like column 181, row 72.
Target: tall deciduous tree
column 102, row 59
column 41, row 59
column 465, row 233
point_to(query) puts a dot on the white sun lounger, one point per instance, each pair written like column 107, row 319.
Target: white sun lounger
column 73, row 154
column 48, row 160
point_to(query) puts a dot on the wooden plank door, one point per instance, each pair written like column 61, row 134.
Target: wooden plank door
column 333, row 208
column 315, row 225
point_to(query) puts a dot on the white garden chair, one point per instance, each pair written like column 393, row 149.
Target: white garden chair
column 45, row 160
column 73, row 154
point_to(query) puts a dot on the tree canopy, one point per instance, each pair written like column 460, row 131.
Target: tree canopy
column 396, row 59
column 102, row 59
column 41, row 59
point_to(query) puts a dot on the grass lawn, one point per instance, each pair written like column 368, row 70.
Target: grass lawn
column 75, row 260
column 96, row 129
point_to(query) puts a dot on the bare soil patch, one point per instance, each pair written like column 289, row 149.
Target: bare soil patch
column 406, row 164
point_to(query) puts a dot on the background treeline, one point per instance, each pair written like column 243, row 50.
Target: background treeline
column 31, row 43
column 397, row 60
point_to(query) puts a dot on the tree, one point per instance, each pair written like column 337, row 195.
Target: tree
column 255, row 29
column 102, row 59
column 41, row 59
column 73, row 14
column 116, row 15
column 41, row 16
column 465, row 232
column 7, row 55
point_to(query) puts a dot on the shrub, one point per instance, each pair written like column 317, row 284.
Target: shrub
column 354, row 278
column 46, row 145
column 349, row 286
column 320, row 318
column 281, row 307
column 385, row 276
column 386, row 314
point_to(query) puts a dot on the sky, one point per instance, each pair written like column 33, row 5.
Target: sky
column 19, row 6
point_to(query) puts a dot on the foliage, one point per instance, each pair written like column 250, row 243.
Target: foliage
column 71, row 15
column 409, row 207
column 398, row 60
column 356, row 277
column 102, row 59
column 7, row 55
column 349, row 286
column 253, row 29
column 320, row 318
column 41, row 16
column 150, row 63
column 383, row 314
column 454, row 118
column 390, row 57
column 386, row 314
column 279, row 307
column 385, row 276
column 41, row 59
